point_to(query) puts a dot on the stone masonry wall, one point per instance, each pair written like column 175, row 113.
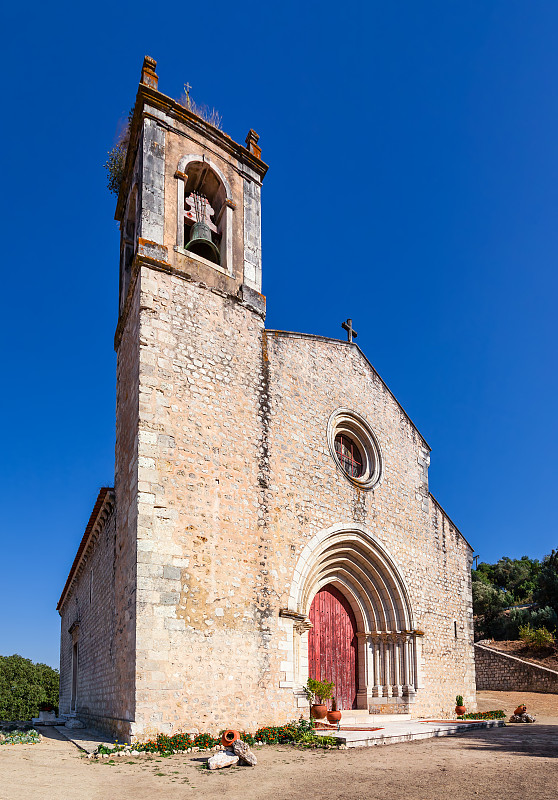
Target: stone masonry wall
column 202, row 631
column 91, row 602
column 126, row 490
column 309, row 378
column 501, row 672
column 235, row 477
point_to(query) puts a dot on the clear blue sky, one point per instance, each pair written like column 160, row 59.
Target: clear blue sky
column 413, row 186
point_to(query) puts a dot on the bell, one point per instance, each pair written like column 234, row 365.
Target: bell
column 202, row 244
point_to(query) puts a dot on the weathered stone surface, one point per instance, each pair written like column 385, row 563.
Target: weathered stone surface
column 522, row 718
column 74, row 723
column 242, row 750
column 497, row 671
column 222, row 759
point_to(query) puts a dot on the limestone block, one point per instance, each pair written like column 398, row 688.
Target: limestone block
column 74, row 723
column 222, row 759
column 242, row 750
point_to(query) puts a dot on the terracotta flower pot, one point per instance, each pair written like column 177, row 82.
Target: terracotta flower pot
column 333, row 717
column 318, row 710
column 459, row 710
column 229, row 738
column 520, row 710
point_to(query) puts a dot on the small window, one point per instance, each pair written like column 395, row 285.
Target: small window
column 349, row 456
column 455, row 629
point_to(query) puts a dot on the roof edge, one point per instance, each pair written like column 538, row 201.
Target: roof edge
column 374, row 370
column 105, row 498
column 449, row 519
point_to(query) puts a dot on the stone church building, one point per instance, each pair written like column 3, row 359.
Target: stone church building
column 271, row 516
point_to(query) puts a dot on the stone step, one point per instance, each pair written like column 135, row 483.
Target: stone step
column 407, row 731
column 363, row 717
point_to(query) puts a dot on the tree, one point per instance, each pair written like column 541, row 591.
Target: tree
column 546, row 593
column 24, row 686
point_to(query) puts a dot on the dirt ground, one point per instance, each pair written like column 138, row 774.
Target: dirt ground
column 517, row 761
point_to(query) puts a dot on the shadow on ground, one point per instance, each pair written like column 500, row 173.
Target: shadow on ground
column 521, row 739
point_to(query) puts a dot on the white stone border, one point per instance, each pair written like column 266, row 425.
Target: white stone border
column 344, row 420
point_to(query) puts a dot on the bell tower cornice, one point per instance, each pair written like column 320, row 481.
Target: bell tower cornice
column 172, row 115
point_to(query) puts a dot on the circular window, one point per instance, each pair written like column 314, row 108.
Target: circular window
column 348, row 455
column 354, row 448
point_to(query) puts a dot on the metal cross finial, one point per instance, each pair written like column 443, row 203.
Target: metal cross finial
column 351, row 333
column 187, row 88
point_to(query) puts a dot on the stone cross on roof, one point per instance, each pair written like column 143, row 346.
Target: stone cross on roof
column 351, row 333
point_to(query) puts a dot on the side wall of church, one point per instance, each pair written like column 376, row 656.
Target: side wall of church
column 91, row 603
column 446, row 608
column 309, row 378
column 203, row 632
column 126, row 490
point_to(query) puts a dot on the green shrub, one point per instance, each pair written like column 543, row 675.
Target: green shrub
column 21, row 737
column 301, row 732
column 536, row 638
column 163, row 744
column 484, row 715
column 320, row 690
column 24, row 686
column 205, row 740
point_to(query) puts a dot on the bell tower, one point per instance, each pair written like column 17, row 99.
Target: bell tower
column 190, row 196
column 190, row 446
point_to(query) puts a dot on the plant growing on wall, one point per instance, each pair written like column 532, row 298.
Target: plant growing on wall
column 116, row 156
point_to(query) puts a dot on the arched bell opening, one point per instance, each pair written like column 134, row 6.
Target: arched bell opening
column 346, row 574
column 204, row 206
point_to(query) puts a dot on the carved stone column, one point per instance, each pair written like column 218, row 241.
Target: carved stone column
column 408, row 686
column 396, row 687
column 386, row 646
column 377, row 666
column 365, row 676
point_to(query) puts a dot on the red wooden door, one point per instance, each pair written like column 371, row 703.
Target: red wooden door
column 332, row 645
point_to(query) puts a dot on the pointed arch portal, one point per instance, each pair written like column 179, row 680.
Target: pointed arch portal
column 356, row 624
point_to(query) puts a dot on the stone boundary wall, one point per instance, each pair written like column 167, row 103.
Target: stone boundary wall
column 501, row 672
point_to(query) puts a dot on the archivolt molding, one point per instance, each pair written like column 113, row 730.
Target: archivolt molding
column 350, row 556
column 353, row 559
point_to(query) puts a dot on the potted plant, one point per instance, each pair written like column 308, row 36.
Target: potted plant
column 320, row 691
column 459, row 707
column 334, row 715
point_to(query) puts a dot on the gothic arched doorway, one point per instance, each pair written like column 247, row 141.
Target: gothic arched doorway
column 332, row 645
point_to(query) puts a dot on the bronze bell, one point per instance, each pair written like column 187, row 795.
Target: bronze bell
column 202, row 244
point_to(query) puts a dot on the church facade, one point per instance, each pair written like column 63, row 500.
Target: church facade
column 271, row 516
